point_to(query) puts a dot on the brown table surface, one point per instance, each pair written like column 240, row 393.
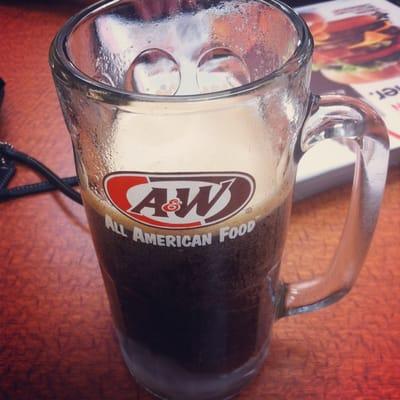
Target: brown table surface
column 56, row 335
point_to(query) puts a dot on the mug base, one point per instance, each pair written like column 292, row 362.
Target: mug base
column 167, row 381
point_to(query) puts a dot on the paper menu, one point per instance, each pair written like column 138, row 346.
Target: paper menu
column 357, row 53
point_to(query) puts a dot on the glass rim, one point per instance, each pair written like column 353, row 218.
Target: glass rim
column 60, row 63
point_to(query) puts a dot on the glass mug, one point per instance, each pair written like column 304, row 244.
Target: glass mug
column 188, row 120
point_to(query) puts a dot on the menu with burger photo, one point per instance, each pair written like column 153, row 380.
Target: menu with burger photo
column 357, row 53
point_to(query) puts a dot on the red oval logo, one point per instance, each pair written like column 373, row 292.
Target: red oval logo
column 179, row 200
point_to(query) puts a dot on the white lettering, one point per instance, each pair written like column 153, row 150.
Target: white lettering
column 251, row 225
column 242, row 229
column 206, row 239
column 117, row 228
column 138, row 235
column 233, row 233
column 150, row 238
column 186, row 241
column 170, row 240
column 160, row 240
column 196, row 241
column 109, row 222
column 223, row 232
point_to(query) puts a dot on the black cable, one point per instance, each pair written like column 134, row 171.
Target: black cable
column 2, row 84
column 8, row 157
column 7, row 153
column 34, row 188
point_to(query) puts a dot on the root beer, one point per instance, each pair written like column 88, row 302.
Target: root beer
column 198, row 314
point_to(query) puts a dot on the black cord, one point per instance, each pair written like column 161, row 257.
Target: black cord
column 34, row 188
column 2, row 84
column 8, row 155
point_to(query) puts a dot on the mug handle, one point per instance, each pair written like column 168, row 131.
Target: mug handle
column 356, row 124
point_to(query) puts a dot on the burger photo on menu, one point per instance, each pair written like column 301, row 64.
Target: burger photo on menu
column 358, row 49
column 356, row 54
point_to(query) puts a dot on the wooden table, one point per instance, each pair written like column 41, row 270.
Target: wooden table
column 56, row 336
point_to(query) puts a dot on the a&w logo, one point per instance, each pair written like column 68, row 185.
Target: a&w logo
column 179, row 200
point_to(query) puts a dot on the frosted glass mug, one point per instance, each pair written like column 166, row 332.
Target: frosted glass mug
column 188, row 120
